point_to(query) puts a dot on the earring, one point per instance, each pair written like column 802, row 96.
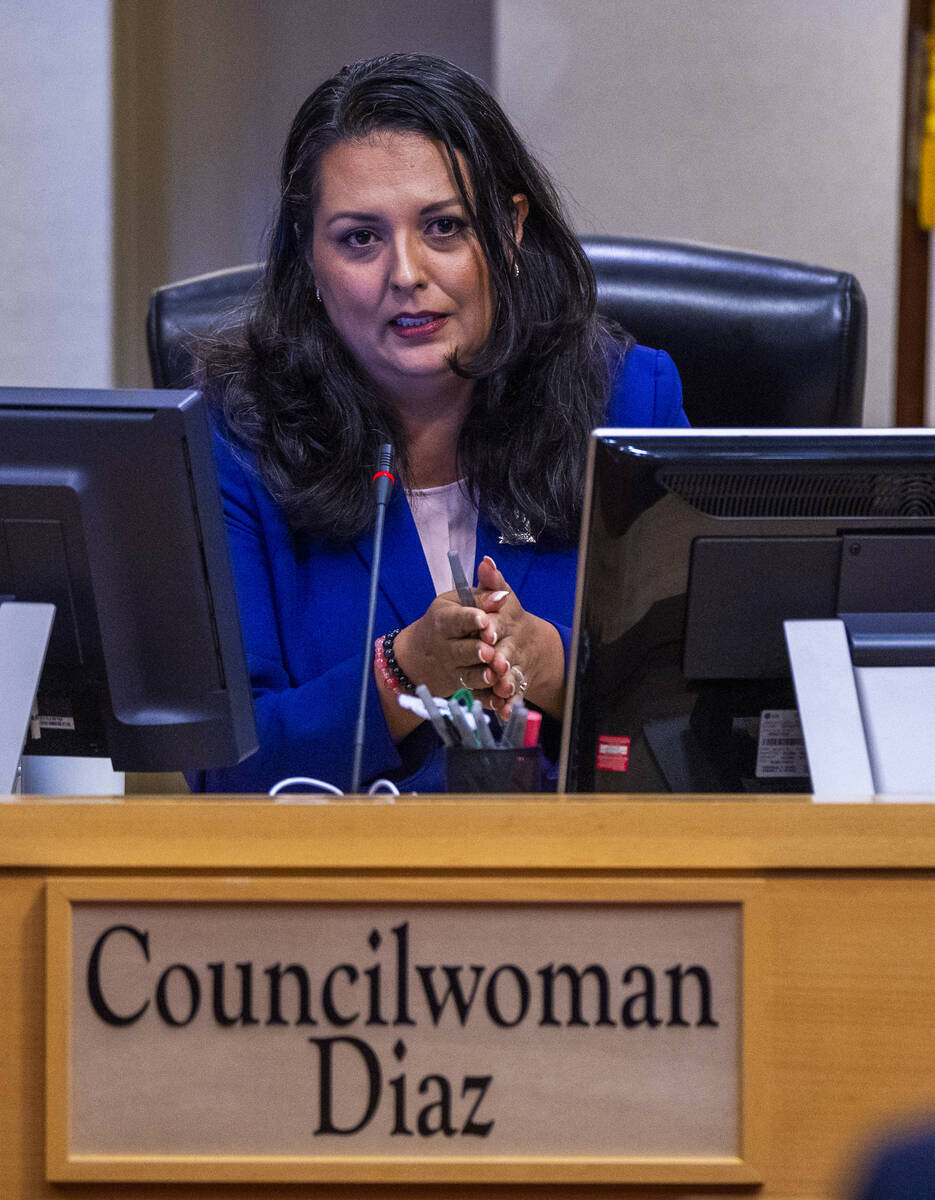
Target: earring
column 515, row 268
column 317, row 294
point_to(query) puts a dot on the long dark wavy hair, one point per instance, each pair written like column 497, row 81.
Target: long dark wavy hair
column 290, row 391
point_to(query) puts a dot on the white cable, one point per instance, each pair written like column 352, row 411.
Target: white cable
column 319, row 783
column 383, row 785
column 378, row 787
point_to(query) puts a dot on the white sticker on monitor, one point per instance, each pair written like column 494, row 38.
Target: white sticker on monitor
column 780, row 752
column 47, row 722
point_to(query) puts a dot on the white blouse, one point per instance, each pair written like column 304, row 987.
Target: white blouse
column 446, row 520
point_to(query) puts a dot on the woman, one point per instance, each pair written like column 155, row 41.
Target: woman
column 422, row 288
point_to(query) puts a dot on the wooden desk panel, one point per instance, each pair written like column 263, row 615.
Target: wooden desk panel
column 848, row 969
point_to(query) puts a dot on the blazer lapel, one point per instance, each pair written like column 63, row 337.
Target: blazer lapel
column 405, row 582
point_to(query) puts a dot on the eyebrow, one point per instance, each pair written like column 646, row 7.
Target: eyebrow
column 452, row 201
column 374, row 218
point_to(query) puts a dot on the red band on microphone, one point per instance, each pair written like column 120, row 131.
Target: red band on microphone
column 388, row 475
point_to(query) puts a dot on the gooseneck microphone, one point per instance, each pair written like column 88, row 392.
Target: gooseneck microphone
column 382, row 487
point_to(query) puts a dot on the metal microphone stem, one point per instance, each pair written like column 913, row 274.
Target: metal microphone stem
column 383, row 482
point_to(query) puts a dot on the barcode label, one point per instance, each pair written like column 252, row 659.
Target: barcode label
column 780, row 752
column 47, row 722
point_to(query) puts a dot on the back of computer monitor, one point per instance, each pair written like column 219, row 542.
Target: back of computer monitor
column 696, row 546
column 109, row 509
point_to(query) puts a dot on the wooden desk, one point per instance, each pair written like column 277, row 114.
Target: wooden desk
column 848, row 956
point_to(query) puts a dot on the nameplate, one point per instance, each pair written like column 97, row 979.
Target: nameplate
column 385, row 1030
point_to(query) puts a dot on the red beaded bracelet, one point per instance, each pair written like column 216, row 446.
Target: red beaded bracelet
column 393, row 676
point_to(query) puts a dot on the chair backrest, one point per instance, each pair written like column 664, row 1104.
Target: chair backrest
column 758, row 341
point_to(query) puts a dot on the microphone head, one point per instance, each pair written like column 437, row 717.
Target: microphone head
column 383, row 478
column 385, row 458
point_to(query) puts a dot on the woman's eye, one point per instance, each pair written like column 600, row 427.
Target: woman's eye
column 446, row 226
column 359, row 238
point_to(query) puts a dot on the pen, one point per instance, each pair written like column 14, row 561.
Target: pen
column 462, row 587
column 516, row 726
column 533, row 725
column 483, row 726
column 438, row 721
column 466, row 598
column 464, row 726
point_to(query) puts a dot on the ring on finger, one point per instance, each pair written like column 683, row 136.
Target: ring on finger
column 521, row 682
column 467, row 687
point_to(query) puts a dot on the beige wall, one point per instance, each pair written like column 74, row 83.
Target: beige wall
column 770, row 125
column 55, row 193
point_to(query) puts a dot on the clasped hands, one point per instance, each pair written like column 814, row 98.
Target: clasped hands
column 492, row 649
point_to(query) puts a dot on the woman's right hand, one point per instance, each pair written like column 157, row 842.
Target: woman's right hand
column 442, row 648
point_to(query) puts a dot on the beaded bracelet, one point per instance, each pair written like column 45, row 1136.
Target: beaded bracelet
column 392, row 674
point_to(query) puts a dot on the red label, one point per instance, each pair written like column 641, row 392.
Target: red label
column 613, row 753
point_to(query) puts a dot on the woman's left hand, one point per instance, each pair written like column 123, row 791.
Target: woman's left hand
column 518, row 647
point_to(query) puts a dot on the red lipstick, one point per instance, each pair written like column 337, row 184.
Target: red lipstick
column 418, row 324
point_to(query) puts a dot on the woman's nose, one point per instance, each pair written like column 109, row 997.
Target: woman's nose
column 407, row 268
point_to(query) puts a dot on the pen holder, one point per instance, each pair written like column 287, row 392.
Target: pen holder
column 486, row 771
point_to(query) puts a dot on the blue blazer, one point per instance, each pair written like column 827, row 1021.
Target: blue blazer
column 303, row 607
column 903, row 1170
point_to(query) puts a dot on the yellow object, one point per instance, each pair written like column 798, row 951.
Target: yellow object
column 927, row 149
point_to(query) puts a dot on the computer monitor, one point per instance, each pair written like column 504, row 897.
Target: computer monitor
column 696, row 546
column 109, row 509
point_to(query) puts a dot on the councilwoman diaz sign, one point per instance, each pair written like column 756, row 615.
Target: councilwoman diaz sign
column 290, row 1030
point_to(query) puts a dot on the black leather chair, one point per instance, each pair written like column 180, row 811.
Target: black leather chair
column 758, row 341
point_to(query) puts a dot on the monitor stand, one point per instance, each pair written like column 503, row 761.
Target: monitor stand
column 867, row 729
column 24, row 638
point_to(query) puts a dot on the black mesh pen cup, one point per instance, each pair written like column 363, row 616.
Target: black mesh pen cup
column 487, row 771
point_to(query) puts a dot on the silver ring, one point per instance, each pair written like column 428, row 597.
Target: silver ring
column 521, row 682
column 463, row 684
